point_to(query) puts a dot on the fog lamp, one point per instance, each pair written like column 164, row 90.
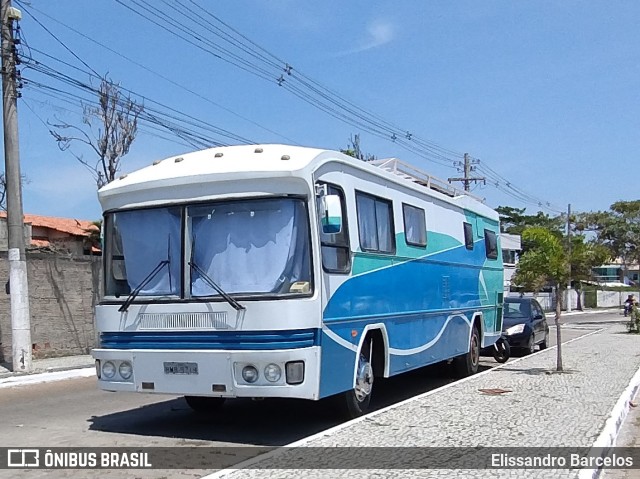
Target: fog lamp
column 250, row 374
column 273, row 373
column 126, row 370
column 108, row 370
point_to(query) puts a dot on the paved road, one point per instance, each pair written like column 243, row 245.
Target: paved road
column 76, row 413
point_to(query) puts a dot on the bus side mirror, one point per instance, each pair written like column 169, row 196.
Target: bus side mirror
column 330, row 214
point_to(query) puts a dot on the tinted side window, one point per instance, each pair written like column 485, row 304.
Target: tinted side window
column 415, row 225
column 375, row 223
column 468, row 235
column 335, row 250
column 491, row 244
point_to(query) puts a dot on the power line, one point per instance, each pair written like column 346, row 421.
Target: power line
column 164, row 77
column 198, row 28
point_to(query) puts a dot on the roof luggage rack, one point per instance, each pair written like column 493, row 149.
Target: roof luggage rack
column 415, row 175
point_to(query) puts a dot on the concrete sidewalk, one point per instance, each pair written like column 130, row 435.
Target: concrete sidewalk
column 584, row 406
column 47, row 370
column 64, row 363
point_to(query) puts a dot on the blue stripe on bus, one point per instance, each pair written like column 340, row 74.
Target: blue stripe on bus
column 232, row 340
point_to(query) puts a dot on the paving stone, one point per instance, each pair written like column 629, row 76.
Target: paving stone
column 543, row 409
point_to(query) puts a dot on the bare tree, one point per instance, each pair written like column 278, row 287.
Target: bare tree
column 109, row 129
column 3, row 189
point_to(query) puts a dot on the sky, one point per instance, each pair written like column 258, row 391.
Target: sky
column 545, row 94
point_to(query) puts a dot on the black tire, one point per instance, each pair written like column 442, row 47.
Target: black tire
column 468, row 364
column 545, row 344
column 503, row 351
column 531, row 345
column 204, row 404
column 355, row 402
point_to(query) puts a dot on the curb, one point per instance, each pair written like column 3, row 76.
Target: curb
column 612, row 426
column 24, row 380
column 328, row 432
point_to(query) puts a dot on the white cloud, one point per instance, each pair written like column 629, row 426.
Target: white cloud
column 379, row 33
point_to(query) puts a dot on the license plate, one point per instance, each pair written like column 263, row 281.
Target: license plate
column 181, row 368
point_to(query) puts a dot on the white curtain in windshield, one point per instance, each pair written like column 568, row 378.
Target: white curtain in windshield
column 149, row 237
column 258, row 246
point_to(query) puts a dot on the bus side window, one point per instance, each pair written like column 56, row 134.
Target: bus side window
column 491, row 244
column 335, row 249
column 375, row 223
column 468, row 235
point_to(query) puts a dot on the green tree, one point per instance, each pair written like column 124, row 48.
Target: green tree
column 353, row 150
column 546, row 262
column 514, row 220
column 617, row 229
column 584, row 257
column 551, row 260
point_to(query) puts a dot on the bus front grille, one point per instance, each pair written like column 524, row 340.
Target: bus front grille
column 183, row 321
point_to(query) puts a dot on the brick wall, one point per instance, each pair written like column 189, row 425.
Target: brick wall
column 62, row 293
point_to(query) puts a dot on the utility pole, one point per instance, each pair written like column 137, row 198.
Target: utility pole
column 569, row 253
column 467, row 167
column 18, row 288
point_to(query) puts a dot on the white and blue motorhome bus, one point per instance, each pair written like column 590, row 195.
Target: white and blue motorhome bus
column 282, row 271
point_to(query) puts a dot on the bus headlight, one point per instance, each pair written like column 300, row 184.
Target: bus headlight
column 108, row 370
column 272, row 373
column 250, row 374
column 295, row 372
column 125, row 370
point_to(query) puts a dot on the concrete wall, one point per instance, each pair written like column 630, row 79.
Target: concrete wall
column 62, row 293
column 614, row 299
column 4, row 234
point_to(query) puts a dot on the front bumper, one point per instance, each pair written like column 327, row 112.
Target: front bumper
column 520, row 340
column 218, row 372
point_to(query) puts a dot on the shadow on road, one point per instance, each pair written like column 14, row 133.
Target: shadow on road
column 268, row 422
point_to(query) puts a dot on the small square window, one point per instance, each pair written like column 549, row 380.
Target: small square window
column 415, row 225
column 491, row 244
column 468, row 235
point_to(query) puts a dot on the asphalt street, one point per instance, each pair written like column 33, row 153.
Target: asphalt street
column 75, row 413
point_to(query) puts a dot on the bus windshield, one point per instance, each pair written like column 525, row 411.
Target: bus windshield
column 137, row 241
column 244, row 247
column 250, row 247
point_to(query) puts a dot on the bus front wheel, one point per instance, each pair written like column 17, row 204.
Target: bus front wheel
column 356, row 401
column 204, row 404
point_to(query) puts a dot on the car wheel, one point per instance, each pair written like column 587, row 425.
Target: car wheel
column 544, row 344
column 531, row 345
column 204, row 404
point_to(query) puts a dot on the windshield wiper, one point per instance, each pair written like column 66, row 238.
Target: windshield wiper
column 144, row 282
column 234, row 304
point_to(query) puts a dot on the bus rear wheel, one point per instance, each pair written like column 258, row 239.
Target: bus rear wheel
column 204, row 404
column 468, row 364
column 356, row 401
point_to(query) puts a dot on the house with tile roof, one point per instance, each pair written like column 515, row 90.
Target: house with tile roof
column 61, row 235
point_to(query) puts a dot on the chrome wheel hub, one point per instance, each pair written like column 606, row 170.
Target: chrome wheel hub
column 364, row 379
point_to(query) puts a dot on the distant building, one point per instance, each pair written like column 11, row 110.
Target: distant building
column 61, row 235
column 511, row 247
column 616, row 273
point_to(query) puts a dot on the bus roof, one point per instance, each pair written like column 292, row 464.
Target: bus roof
column 270, row 160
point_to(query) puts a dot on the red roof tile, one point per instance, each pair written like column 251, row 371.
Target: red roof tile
column 66, row 225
